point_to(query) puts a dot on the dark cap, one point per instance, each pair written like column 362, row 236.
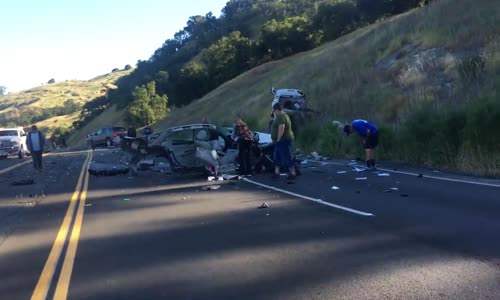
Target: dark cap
column 34, row 127
column 347, row 129
column 277, row 106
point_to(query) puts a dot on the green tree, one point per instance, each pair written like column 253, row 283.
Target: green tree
column 336, row 18
column 290, row 36
column 229, row 57
column 128, row 67
column 147, row 106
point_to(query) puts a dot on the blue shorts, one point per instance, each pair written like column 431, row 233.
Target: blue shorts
column 282, row 154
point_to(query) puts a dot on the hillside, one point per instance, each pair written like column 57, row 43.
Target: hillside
column 414, row 75
column 42, row 102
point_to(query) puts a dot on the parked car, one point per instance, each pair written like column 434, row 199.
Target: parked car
column 104, row 136
column 13, row 142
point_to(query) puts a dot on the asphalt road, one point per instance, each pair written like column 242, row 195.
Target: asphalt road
column 157, row 236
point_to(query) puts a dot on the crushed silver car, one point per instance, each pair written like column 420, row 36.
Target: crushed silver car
column 195, row 147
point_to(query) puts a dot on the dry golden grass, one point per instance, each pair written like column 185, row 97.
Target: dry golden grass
column 52, row 95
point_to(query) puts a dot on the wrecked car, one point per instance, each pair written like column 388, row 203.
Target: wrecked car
column 202, row 148
column 293, row 102
column 196, row 147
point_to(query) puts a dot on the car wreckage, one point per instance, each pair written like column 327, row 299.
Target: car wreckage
column 293, row 102
column 194, row 148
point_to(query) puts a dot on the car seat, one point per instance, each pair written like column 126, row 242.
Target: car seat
column 202, row 140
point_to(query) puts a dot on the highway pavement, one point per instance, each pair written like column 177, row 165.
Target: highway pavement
column 334, row 234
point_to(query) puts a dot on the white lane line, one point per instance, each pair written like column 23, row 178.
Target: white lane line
column 354, row 211
column 415, row 174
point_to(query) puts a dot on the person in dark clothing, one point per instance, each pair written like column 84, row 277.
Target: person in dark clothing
column 245, row 141
column 146, row 132
column 369, row 133
column 35, row 141
column 131, row 132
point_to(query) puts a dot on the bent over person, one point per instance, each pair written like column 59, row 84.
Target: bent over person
column 35, row 143
column 369, row 133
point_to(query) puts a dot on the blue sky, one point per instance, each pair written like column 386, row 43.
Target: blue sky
column 65, row 40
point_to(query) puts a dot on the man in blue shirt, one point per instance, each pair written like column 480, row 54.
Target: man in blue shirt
column 369, row 133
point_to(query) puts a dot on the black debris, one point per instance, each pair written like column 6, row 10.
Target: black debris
column 23, row 182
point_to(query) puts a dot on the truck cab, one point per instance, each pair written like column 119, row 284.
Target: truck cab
column 12, row 142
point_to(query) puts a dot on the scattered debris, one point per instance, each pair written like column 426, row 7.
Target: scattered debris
column 107, row 169
column 392, row 189
column 211, row 187
column 361, row 178
column 126, row 199
column 304, row 162
column 23, row 182
column 358, row 192
column 230, row 177
column 283, row 174
column 318, row 171
column 88, row 204
column 335, row 188
column 316, row 156
column 264, row 205
column 384, row 174
column 404, row 195
column 341, row 172
column 356, row 169
column 420, row 175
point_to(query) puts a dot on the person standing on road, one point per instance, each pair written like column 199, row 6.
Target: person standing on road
column 369, row 133
column 35, row 143
column 245, row 141
column 282, row 136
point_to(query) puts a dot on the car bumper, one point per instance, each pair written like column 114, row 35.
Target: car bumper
column 9, row 151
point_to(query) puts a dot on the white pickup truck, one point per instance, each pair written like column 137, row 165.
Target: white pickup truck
column 13, row 142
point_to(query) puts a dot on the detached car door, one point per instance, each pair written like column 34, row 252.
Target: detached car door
column 182, row 148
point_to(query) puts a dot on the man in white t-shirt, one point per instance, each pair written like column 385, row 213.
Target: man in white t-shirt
column 35, row 142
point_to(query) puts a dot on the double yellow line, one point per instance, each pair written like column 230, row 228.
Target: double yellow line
column 46, row 278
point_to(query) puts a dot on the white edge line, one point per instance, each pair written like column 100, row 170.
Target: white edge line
column 354, row 211
column 415, row 174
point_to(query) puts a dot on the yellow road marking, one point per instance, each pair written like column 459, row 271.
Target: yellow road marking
column 42, row 287
column 67, row 268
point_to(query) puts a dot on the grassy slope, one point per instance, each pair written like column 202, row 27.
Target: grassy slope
column 52, row 95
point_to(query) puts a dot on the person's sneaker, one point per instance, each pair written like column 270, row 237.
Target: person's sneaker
column 275, row 176
column 291, row 177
